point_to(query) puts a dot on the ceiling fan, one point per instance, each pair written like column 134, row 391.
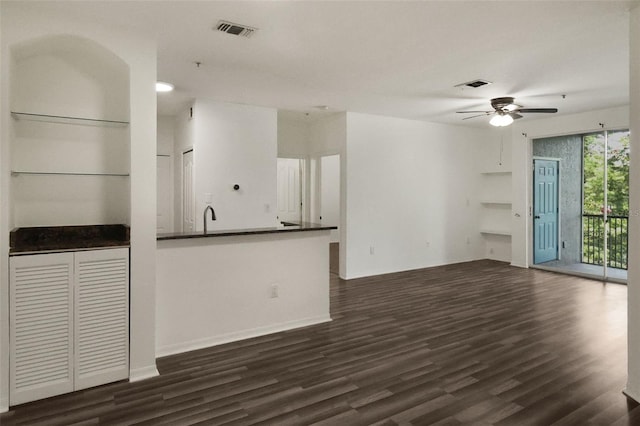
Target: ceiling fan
column 505, row 111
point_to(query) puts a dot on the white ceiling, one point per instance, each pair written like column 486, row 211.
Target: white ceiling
column 395, row 58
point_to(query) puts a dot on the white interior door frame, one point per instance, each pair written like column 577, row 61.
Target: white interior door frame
column 187, row 191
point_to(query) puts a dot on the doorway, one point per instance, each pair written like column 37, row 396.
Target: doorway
column 188, row 195
column 289, row 190
column 593, row 204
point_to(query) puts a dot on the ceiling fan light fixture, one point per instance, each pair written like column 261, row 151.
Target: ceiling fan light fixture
column 501, row 120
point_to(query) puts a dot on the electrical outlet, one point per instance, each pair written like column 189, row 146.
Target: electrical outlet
column 428, row 243
column 468, row 240
column 267, row 208
column 372, row 250
column 491, row 250
column 274, row 291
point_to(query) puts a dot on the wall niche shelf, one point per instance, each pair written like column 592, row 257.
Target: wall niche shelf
column 496, row 172
column 58, row 119
column 496, row 232
column 21, row 172
column 496, row 202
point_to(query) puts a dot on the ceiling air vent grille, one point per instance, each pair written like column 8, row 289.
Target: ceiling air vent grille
column 474, row 83
column 235, row 29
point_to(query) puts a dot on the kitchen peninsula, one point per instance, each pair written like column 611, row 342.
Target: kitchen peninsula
column 230, row 285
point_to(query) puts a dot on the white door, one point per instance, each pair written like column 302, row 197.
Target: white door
column 101, row 317
column 41, row 326
column 330, row 193
column 289, row 195
column 164, row 192
column 188, row 196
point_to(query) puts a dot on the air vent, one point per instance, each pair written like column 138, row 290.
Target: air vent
column 474, row 83
column 235, row 29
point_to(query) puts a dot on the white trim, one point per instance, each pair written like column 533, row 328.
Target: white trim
column 238, row 335
column 143, row 373
column 519, row 265
column 4, row 405
column 630, row 394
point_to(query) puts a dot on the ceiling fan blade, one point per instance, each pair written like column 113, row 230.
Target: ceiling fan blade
column 479, row 115
column 477, row 112
column 530, row 110
column 515, row 115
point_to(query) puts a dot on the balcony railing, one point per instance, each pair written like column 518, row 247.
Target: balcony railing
column 593, row 241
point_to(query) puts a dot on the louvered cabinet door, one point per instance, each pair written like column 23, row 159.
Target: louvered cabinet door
column 41, row 326
column 101, row 317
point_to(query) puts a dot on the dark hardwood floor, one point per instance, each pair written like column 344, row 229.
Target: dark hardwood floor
column 477, row 343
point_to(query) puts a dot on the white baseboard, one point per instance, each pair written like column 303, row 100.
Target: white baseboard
column 238, row 335
column 143, row 373
column 518, row 265
column 631, row 394
column 4, row 405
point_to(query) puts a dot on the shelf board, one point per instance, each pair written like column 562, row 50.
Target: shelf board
column 496, row 172
column 22, row 172
column 496, row 232
column 499, row 202
column 68, row 120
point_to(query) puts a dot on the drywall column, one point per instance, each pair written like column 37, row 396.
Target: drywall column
column 143, row 212
column 4, row 221
column 633, row 381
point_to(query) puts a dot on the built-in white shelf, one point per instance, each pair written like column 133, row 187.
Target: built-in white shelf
column 68, row 120
column 23, row 172
column 496, row 172
column 496, row 202
column 496, row 232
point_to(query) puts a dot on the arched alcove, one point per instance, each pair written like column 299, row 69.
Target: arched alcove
column 70, row 148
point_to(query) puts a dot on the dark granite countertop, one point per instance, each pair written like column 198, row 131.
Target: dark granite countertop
column 67, row 238
column 289, row 227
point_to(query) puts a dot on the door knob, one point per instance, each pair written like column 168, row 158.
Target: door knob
column 536, row 217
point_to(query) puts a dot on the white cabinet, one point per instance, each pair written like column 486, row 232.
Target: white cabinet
column 69, row 322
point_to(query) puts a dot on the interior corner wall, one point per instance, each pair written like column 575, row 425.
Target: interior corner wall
column 411, row 194
column 328, row 136
column 21, row 21
column 633, row 280
column 235, row 144
column 523, row 132
column 184, row 139
column 293, row 138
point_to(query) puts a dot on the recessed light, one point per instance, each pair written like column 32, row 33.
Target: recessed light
column 161, row 86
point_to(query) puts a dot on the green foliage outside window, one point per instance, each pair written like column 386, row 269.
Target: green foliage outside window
column 617, row 198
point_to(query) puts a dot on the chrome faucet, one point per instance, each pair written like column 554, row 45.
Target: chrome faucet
column 213, row 216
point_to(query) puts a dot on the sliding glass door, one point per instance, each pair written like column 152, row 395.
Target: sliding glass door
column 593, row 203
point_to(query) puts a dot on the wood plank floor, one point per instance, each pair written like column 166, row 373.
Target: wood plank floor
column 477, row 343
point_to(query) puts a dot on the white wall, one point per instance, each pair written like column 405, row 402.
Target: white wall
column 184, row 137
column 165, row 157
column 523, row 131
column 330, row 194
column 216, row 290
column 21, row 21
column 633, row 304
column 328, row 136
column 165, row 136
column 235, row 144
column 411, row 194
column 293, row 137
